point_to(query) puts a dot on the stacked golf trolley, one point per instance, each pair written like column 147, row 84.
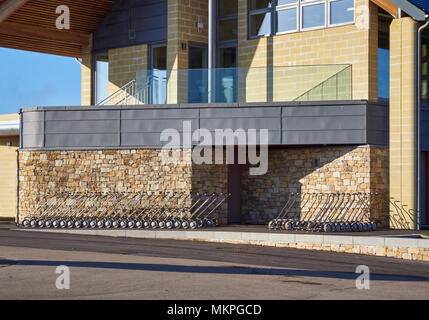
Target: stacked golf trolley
column 326, row 212
column 126, row 210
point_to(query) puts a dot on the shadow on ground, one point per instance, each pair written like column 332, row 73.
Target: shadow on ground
column 233, row 270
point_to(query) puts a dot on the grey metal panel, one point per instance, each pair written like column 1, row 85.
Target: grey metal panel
column 274, row 138
column 145, row 140
column 146, row 18
column 241, row 123
column 81, row 140
column 82, row 115
column 324, row 137
column 223, row 113
column 137, row 126
column 93, row 126
column 378, row 124
column 324, row 123
column 424, row 130
column 317, row 111
column 159, row 114
column 32, row 140
column 144, row 126
column 33, row 116
column 410, row 9
column 33, row 127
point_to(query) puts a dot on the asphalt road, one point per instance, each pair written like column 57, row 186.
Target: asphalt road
column 118, row 268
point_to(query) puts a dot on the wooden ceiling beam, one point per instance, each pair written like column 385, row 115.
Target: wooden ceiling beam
column 387, row 6
column 29, row 31
column 8, row 7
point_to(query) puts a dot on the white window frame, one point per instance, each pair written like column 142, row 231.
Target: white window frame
column 286, row 7
column 309, row 3
column 330, row 25
column 299, row 5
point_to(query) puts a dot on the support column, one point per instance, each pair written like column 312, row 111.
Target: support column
column 403, row 130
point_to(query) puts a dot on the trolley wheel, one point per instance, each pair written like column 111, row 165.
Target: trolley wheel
column 108, row 223
column 92, row 223
column 26, row 223
column 123, row 224
column 33, row 223
column 146, row 224
column 78, row 224
column 70, row 223
column 153, row 224
column 85, row 223
column 40, row 223
column 161, row 224
column 193, row 224
column 185, row 224
column 139, row 223
column 63, row 224
column 177, row 224
column 374, row 226
column 100, row 224
column 169, row 224
column 131, row 223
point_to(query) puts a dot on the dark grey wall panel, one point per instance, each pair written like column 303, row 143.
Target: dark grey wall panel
column 146, row 19
column 32, row 140
column 141, row 126
column 82, row 115
column 151, row 114
column 155, row 125
column 322, row 137
column 84, row 126
column 81, row 140
column 337, row 122
column 378, row 124
column 425, row 130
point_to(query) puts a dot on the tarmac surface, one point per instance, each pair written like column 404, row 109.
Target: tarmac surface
column 127, row 268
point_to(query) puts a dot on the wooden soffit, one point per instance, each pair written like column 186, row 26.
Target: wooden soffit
column 31, row 25
column 387, row 6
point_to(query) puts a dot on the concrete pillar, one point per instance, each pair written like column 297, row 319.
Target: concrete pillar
column 403, row 101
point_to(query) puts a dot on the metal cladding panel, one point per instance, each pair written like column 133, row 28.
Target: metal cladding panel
column 131, row 23
column 141, row 126
column 32, row 140
column 324, row 137
column 148, row 126
column 84, row 126
column 70, row 115
column 425, row 130
column 82, row 140
column 151, row 114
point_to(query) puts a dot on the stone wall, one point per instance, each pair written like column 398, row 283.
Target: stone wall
column 316, row 170
column 41, row 172
column 306, row 170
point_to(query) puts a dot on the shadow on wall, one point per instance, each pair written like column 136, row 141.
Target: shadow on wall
column 231, row 270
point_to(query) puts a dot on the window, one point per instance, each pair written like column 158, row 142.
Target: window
column 341, row 11
column 268, row 17
column 101, row 76
column 313, row 15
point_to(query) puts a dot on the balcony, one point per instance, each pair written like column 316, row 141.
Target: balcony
column 235, row 85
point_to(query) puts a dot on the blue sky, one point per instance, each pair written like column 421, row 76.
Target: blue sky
column 29, row 79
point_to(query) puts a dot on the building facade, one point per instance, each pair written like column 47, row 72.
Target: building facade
column 333, row 81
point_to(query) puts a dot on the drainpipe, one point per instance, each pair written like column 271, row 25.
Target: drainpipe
column 211, row 51
column 419, row 67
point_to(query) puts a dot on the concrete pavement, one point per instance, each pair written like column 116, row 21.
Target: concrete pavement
column 118, row 268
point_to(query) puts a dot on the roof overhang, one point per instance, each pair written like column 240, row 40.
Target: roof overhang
column 9, row 128
column 413, row 11
column 31, row 25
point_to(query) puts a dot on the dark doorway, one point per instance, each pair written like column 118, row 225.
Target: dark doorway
column 197, row 74
column 234, row 188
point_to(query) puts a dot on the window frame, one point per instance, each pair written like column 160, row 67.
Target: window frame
column 256, row 12
column 286, row 7
column 331, row 25
column 298, row 4
column 309, row 3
